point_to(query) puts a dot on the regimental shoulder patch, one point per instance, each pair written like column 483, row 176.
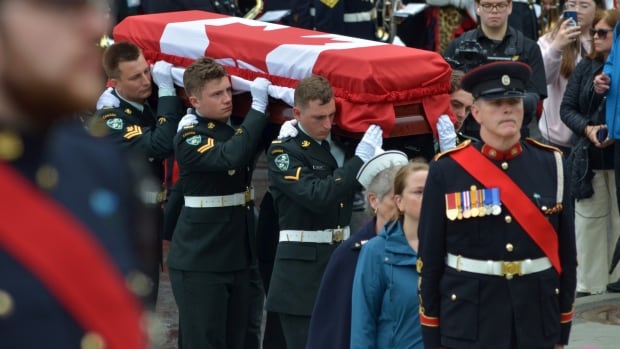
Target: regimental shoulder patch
column 460, row 146
column 161, row 120
column 208, row 145
column 132, row 131
column 195, row 140
column 542, row 145
column 115, row 123
column 282, row 162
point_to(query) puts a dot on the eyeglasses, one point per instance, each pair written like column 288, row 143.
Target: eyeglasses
column 500, row 7
column 570, row 5
column 602, row 33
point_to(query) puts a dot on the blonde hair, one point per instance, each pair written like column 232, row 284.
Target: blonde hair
column 400, row 180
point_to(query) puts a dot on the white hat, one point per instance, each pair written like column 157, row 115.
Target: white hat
column 379, row 163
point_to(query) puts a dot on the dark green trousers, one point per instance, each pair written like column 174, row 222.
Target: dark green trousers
column 213, row 308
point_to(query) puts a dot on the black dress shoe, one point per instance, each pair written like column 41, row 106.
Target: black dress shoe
column 583, row 294
column 614, row 286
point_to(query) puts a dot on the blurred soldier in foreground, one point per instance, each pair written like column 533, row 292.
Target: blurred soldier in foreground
column 68, row 235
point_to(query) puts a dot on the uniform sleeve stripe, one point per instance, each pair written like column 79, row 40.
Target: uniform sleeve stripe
column 428, row 320
column 566, row 317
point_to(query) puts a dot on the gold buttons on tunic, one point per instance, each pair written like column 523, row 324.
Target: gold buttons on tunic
column 508, row 219
column 509, row 247
column 11, row 146
column 6, row 304
column 139, row 283
column 92, row 340
column 557, row 291
column 47, row 177
column 504, row 165
column 453, row 297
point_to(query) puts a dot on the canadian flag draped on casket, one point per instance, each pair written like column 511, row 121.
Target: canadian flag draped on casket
column 369, row 78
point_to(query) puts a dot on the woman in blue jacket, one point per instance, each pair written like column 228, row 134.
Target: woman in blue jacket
column 385, row 301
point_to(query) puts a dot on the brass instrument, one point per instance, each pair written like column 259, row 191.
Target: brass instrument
column 386, row 23
column 256, row 10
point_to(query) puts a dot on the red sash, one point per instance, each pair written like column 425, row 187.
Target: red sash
column 522, row 208
column 60, row 252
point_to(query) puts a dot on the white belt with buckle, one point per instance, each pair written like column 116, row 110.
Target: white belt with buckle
column 499, row 268
column 365, row 16
column 316, row 236
column 237, row 199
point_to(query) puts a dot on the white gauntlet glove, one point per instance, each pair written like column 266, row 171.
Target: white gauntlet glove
column 107, row 99
column 260, row 96
column 288, row 129
column 446, row 133
column 187, row 120
column 370, row 144
column 162, row 76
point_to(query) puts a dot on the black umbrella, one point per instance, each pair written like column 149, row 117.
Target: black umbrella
column 615, row 257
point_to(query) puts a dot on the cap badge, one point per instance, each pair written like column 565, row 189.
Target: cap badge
column 305, row 143
column 505, row 80
column 210, row 125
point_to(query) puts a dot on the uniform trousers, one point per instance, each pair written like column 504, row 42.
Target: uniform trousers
column 256, row 305
column 295, row 329
column 213, row 308
column 597, row 228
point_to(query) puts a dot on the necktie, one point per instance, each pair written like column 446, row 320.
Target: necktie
column 148, row 117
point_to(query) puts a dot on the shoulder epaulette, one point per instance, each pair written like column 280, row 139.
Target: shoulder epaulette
column 543, row 145
column 460, row 146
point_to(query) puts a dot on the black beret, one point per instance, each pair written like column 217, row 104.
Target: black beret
column 497, row 80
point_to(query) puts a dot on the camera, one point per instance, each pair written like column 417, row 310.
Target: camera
column 470, row 54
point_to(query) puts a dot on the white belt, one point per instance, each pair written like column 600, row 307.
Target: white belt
column 365, row 16
column 499, row 268
column 237, row 199
column 316, row 236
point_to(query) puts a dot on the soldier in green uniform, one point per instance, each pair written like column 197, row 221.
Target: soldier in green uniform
column 213, row 243
column 129, row 120
column 312, row 181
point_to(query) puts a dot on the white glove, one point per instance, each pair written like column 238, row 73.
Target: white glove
column 107, row 99
column 260, row 97
column 447, row 135
column 162, row 75
column 370, row 144
column 288, row 129
column 187, row 120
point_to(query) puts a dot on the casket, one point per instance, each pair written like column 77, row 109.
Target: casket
column 402, row 89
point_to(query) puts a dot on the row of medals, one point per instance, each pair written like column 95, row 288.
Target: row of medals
column 473, row 203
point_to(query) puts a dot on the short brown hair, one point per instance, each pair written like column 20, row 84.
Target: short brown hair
column 455, row 80
column 313, row 88
column 115, row 54
column 200, row 72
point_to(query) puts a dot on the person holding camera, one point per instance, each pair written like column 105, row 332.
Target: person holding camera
column 495, row 40
column 596, row 211
column 562, row 48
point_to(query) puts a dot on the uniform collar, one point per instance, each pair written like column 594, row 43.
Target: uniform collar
column 138, row 106
column 499, row 155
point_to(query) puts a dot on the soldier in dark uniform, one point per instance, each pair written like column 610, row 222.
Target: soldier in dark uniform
column 493, row 40
column 312, row 181
column 356, row 18
column 132, row 123
column 70, row 218
column 497, row 241
column 213, row 244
